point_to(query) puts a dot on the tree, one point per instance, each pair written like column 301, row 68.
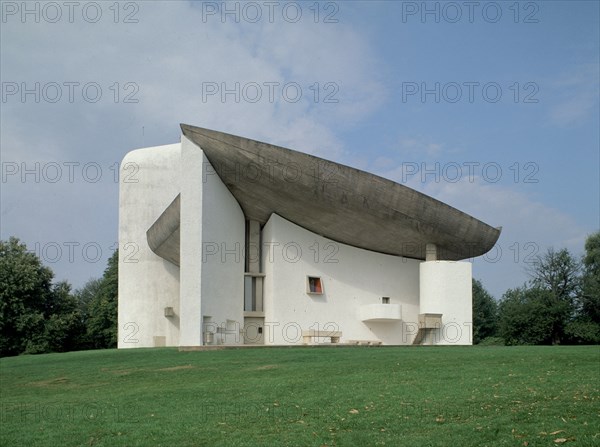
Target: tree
column 560, row 305
column 38, row 316
column 485, row 313
column 102, row 308
column 65, row 327
column 526, row 316
column 25, row 299
column 590, row 303
column 84, row 297
column 35, row 315
column 558, row 274
column 87, row 293
column 585, row 326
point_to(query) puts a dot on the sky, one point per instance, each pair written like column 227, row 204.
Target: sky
column 491, row 107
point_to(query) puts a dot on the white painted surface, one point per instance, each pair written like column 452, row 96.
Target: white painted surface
column 205, row 285
column 149, row 181
column 253, row 331
column 351, row 278
column 380, row 312
column 190, row 248
column 209, row 286
column 446, row 289
column 223, row 234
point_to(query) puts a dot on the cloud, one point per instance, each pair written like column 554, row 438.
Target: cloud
column 420, row 146
column 529, row 227
column 499, row 205
column 166, row 62
column 174, row 54
column 329, row 62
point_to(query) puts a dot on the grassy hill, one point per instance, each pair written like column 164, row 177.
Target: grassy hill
column 350, row 396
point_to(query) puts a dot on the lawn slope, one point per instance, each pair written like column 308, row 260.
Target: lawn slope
column 353, row 396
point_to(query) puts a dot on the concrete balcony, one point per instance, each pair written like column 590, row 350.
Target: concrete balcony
column 380, row 312
column 430, row 321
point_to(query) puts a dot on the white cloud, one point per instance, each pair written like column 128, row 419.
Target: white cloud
column 169, row 55
column 529, row 227
column 421, row 146
column 170, row 67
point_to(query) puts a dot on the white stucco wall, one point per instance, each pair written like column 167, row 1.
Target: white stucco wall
column 446, row 289
column 190, row 245
column 210, row 282
column 211, row 248
column 223, row 238
column 149, row 181
column 359, row 277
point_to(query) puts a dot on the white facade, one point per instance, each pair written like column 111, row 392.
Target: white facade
column 352, row 279
column 441, row 283
column 147, row 283
column 212, row 222
column 200, row 289
column 360, row 296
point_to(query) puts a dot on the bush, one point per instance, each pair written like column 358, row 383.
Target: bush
column 492, row 341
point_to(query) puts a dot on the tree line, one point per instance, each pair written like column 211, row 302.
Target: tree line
column 559, row 305
column 38, row 315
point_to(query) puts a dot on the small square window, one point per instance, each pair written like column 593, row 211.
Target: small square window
column 314, row 285
column 385, row 300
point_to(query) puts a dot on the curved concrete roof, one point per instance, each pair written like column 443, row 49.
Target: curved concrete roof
column 338, row 202
column 163, row 235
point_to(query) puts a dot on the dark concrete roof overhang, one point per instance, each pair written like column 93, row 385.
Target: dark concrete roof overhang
column 163, row 235
column 338, row 202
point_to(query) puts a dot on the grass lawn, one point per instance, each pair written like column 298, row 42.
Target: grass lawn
column 346, row 396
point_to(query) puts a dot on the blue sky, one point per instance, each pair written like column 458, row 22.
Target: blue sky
column 494, row 110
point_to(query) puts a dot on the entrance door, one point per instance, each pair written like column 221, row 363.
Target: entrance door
column 253, row 331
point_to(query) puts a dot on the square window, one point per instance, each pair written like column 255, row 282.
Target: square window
column 385, row 300
column 314, row 285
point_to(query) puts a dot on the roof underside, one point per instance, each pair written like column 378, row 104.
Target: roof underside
column 338, row 202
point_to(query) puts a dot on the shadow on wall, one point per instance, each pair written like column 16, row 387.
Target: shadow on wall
column 388, row 331
column 172, row 301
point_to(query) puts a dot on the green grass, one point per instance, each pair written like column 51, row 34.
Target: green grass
column 429, row 396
